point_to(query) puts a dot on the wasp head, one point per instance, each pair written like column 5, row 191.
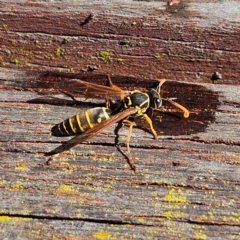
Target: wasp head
column 155, row 99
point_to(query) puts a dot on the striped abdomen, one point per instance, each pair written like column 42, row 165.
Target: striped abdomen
column 82, row 122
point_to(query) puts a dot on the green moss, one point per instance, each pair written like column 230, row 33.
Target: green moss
column 4, row 26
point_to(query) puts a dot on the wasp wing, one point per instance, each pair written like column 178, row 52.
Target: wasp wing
column 92, row 132
column 79, row 88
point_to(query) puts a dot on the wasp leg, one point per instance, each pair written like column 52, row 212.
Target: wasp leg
column 130, row 160
column 107, row 99
column 68, row 94
column 161, row 82
column 114, row 86
column 111, row 84
column 149, row 121
column 108, row 102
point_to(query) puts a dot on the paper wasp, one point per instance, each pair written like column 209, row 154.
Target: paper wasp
column 131, row 105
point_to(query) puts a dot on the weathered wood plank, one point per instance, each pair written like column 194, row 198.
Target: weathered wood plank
column 125, row 38
column 187, row 181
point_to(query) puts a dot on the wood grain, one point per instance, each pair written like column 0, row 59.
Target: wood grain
column 187, row 182
column 146, row 39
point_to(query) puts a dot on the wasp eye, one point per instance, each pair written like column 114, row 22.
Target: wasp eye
column 158, row 101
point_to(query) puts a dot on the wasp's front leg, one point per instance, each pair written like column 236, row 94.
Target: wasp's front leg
column 149, row 121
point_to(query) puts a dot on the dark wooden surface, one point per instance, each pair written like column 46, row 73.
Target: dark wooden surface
column 186, row 185
column 132, row 38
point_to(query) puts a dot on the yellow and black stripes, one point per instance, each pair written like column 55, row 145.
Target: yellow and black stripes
column 82, row 122
column 135, row 99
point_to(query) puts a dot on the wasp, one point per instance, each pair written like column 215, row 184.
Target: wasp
column 131, row 105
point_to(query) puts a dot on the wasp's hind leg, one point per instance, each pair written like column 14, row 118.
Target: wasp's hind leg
column 115, row 86
column 130, row 160
column 109, row 103
column 68, row 94
column 111, row 84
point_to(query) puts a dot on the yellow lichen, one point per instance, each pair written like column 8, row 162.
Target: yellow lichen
column 66, row 189
column 15, row 61
column 102, row 235
column 4, row 219
column 105, row 56
column 8, row 52
column 120, row 60
column 17, row 186
column 108, row 186
column 13, row 219
column 58, row 52
column 26, row 211
column 170, row 215
column 20, row 168
column 200, row 235
column 178, row 197
column 157, row 56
